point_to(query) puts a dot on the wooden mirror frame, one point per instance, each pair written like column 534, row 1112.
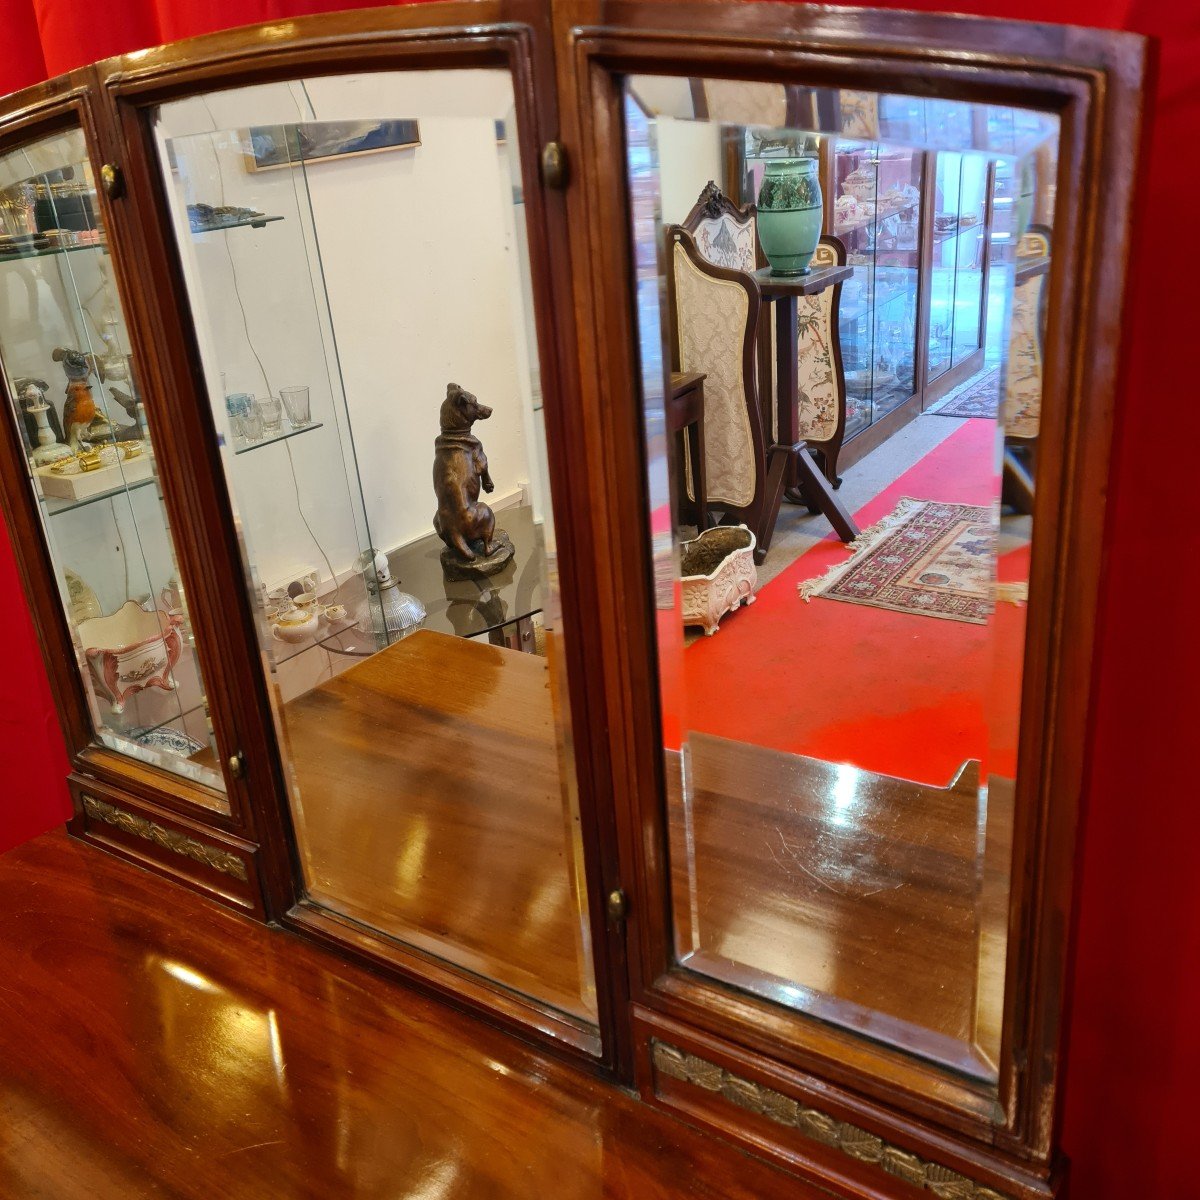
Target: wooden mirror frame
column 741, row 1055
column 818, row 1100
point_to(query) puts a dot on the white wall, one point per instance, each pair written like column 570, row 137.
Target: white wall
column 392, row 275
column 689, row 155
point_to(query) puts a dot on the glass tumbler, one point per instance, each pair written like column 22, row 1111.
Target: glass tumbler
column 297, row 405
column 271, row 411
column 252, row 423
column 237, row 405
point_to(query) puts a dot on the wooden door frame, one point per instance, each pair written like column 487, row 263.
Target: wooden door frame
column 1093, row 81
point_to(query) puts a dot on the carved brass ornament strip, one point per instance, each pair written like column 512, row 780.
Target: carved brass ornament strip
column 169, row 839
column 821, row 1127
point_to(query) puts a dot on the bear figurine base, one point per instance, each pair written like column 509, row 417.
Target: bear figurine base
column 455, row 567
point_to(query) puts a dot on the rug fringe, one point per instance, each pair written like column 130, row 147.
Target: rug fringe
column 865, row 540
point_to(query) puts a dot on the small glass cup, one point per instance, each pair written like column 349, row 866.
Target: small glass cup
column 270, row 410
column 252, row 424
column 297, row 405
column 237, row 405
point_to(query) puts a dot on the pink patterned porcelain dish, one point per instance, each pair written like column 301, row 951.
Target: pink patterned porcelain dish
column 131, row 650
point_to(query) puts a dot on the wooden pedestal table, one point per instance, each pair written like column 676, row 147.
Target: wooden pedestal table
column 804, row 475
column 429, row 805
column 685, row 414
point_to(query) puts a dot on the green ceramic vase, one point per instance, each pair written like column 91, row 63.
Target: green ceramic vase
column 789, row 214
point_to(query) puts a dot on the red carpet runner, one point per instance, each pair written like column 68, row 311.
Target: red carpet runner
column 896, row 693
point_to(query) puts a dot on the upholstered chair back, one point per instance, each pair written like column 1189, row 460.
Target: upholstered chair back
column 725, row 235
column 821, row 382
column 716, row 318
column 1023, row 385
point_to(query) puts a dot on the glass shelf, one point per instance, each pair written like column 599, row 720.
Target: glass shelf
column 47, row 251
column 253, row 222
column 944, row 235
column 880, row 215
column 282, row 436
column 53, row 506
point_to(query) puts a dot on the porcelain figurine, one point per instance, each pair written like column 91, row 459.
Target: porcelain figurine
column 460, row 468
column 43, row 432
column 79, row 411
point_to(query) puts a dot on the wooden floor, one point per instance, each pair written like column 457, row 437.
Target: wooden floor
column 155, row 1045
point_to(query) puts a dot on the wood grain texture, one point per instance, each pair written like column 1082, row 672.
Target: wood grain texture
column 155, row 1045
column 849, row 895
column 429, row 804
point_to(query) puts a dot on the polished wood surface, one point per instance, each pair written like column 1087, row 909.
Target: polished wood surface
column 814, row 283
column 429, row 804
column 850, row 895
column 155, row 1045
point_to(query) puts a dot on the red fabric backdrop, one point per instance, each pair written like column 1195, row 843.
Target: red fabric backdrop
column 1135, row 1041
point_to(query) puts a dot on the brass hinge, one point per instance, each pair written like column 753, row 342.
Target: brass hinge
column 113, row 179
column 618, row 906
column 554, row 166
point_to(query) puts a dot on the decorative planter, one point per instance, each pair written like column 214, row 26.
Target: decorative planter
column 132, row 650
column 789, row 214
column 718, row 575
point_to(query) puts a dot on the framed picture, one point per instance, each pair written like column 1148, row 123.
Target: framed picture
column 275, row 146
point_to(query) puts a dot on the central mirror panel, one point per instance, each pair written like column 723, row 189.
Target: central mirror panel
column 840, row 309
column 356, row 253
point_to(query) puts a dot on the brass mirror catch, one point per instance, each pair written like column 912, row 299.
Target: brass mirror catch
column 113, row 180
column 237, row 765
column 618, row 905
column 554, row 166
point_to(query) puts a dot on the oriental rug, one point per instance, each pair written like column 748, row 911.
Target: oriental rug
column 927, row 557
column 978, row 397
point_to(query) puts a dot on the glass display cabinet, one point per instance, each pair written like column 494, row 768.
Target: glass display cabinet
column 338, row 459
column 875, row 196
column 88, row 458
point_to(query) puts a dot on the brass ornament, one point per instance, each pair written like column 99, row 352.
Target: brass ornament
column 169, row 839
column 821, row 1127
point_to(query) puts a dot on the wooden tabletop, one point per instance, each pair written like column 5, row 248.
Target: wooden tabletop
column 774, row 287
column 803, row 871
column 155, row 1046
column 429, row 806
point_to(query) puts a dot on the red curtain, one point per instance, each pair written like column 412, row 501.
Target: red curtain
column 1135, row 1041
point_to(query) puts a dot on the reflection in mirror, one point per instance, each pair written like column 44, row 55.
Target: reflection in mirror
column 74, row 390
column 356, row 253
column 841, row 394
